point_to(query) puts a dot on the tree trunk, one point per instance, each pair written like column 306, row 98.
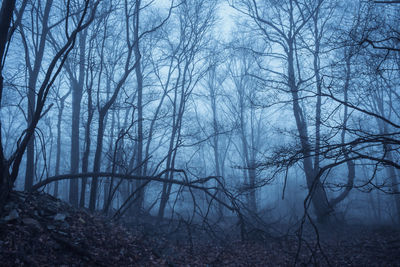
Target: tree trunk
column 30, row 150
column 351, row 168
column 108, row 183
column 5, row 182
column 395, row 186
column 215, row 140
column 173, row 143
column 139, row 80
column 58, row 156
column 97, row 161
column 77, row 91
column 318, row 84
column 316, row 190
column 6, row 13
column 86, row 153
column 76, row 105
column 33, row 77
column 166, row 188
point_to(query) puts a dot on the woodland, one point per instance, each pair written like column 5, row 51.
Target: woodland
column 199, row 132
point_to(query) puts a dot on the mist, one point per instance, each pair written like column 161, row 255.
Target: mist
column 241, row 119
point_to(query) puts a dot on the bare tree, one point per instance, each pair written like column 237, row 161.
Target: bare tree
column 77, row 85
column 194, row 20
column 11, row 166
column 282, row 25
column 61, row 105
column 130, row 64
column 33, row 59
column 214, row 84
column 248, row 121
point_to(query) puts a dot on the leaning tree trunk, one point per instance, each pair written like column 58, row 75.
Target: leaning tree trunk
column 177, row 117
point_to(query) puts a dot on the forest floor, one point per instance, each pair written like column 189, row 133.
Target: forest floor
column 40, row 230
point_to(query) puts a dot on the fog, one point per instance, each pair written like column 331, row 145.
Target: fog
column 260, row 115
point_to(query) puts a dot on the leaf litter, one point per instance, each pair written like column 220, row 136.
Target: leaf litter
column 39, row 230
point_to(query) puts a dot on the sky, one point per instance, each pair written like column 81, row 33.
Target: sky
column 226, row 22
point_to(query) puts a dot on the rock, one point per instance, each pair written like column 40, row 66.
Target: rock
column 13, row 215
column 47, row 212
column 65, row 225
column 31, row 222
column 62, row 233
column 60, row 217
column 10, row 206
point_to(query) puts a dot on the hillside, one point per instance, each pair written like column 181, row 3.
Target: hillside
column 40, row 230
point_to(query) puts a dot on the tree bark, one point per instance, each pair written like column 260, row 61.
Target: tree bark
column 139, row 81
column 97, row 160
column 351, row 168
column 177, row 116
column 33, row 77
column 86, row 153
column 316, row 190
column 215, row 141
column 77, row 92
column 58, row 156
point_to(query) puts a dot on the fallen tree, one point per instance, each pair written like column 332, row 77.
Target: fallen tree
column 194, row 184
column 213, row 192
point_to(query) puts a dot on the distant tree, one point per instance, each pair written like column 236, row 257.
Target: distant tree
column 374, row 97
column 104, row 108
column 130, row 63
column 282, row 25
column 247, row 118
column 214, row 80
column 61, row 105
column 194, row 21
